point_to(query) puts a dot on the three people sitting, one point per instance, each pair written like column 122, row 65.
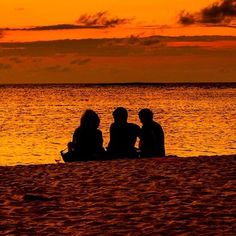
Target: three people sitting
column 87, row 142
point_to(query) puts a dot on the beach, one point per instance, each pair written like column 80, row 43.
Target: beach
column 155, row 196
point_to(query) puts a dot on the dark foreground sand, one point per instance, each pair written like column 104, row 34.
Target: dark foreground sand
column 173, row 196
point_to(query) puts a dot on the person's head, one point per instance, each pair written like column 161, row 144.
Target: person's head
column 145, row 116
column 90, row 119
column 120, row 115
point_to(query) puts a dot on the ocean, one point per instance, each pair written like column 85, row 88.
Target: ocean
column 37, row 121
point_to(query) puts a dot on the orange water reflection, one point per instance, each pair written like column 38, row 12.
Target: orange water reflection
column 37, row 122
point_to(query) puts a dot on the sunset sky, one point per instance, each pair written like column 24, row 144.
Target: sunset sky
column 142, row 17
column 27, row 21
column 19, row 13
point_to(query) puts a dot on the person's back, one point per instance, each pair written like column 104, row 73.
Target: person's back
column 122, row 139
column 87, row 143
column 123, row 135
column 152, row 136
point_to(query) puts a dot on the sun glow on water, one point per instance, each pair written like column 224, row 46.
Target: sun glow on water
column 38, row 121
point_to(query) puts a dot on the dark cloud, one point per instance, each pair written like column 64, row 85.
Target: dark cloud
column 135, row 40
column 80, row 61
column 186, row 18
column 144, row 41
column 150, row 41
column 101, row 19
column 221, row 13
column 53, row 27
column 60, row 27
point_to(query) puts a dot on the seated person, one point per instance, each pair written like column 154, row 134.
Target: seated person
column 123, row 136
column 151, row 137
column 87, row 143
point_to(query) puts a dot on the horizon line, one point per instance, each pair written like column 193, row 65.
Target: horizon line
column 215, row 36
column 120, row 84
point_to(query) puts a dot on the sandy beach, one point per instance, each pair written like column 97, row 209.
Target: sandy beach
column 157, row 196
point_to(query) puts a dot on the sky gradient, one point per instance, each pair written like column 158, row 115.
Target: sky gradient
column 130, row 48
column 38, row 12
column 145, row 18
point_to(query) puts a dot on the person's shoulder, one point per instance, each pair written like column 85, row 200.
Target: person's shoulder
column 113, row 125
column 99, row 131
column 157, row 125
column 77, row 130
column 134, row 126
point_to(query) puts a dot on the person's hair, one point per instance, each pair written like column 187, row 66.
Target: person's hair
column 90, row 119
column 146, row 114
column 120, row 113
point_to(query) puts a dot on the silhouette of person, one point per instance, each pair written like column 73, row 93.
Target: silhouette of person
column 151, row 137
column 123, row 135
column 87, row 143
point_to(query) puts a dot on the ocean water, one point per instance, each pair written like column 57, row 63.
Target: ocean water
column 37, row 121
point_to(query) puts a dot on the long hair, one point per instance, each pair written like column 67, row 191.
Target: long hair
column 90, row 119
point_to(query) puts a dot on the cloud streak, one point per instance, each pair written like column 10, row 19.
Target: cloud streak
column 53, row 27
column 222, row 14
column 80, row 61
column 100, row 20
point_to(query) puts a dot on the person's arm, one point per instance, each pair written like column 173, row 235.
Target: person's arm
column 162, row 140
column 74, row 138
column 111, row 134
column 100, row 139
column 163, row 143
column 138, row 132
column 71, row 145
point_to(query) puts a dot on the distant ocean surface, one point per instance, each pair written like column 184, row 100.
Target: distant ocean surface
column 37, row 121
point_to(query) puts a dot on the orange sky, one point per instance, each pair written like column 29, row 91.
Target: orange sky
column 135, row 58
column 38, row 12
column 155, row 13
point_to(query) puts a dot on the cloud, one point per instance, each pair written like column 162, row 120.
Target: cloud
column 56, row 68
column 221, row 13
column 59, row 27
column 186, row 18
column 133, row 40
column 80, row 61
column 99, row 20
column 52, row 27
column 150, row 41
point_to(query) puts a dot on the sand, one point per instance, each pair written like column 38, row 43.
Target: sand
column 172, row 196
